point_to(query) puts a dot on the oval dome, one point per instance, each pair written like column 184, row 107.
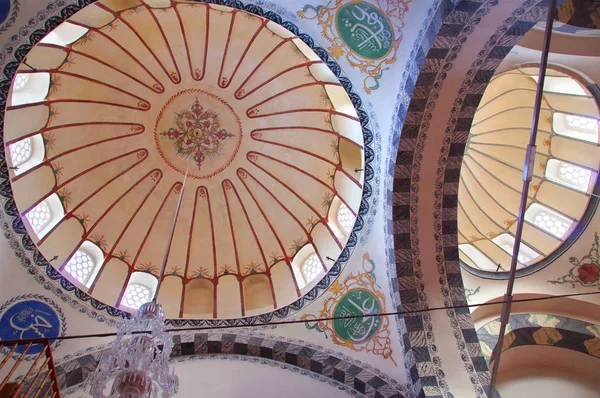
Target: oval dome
column 115, row 107
column 564, row 177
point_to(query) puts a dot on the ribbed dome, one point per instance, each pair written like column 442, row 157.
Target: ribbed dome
column 565, row 169
column 127, row 95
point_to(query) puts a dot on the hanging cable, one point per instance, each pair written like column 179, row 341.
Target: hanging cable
column 296, row 321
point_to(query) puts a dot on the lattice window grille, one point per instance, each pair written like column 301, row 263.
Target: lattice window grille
column 582, row 123
column 310, row 268
column 39, row 217
column 135, row 295
column 575, row 174
column 80, row 266
column 20, row 152
column 345, row 218
column 20, row 82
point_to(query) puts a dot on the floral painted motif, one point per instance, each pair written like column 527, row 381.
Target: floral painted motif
column 366, row 34
column 198, row 133
column 585, row 271
column 356, row 295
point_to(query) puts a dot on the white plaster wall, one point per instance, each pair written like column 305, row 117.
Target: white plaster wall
column 223, row 378
column 548, row 372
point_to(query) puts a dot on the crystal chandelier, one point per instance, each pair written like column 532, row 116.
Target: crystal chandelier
column 138, row 358
column 138, row 362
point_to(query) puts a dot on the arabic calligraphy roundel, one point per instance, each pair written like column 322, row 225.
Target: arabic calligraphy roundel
column 357, row 302
column 30, row 317
column 365, row 29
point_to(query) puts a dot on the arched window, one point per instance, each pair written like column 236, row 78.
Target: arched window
column 20, row 82
column 135, row 295
column 20, row 152
column 345, row 219
column 80, row 266
column 139, row 290
column 549, row 220
column 580, row 127
column 310, row 268
column 569, row 174
column 507, row 243
column 39, row 217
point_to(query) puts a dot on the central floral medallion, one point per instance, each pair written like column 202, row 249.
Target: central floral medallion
column 198, row 125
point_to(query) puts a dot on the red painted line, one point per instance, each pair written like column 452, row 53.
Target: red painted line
column 48, row 161
column 109, row 255
column 323, row 219
column 70, row 50
column 117, row 15
column 219, row 81
column 289, row 90
column 191, row 233
column 137, row 255
column 308, row 128
column 113, row 41
column 57, row 187
column 189, row 57
column 250, row 43
column 262, row 253
column 309, row 239
column 329, row 111
column 240, row 94
column 162, row 32
column 129, row 272
column 355, row 181
column 58, row 101
column 241, row 172
column 237, row 256
column 77, row 76
column 64, row 126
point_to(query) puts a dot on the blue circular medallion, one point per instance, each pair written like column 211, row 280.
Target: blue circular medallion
column 29, row 319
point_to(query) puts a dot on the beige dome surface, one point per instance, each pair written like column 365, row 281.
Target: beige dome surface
column 564, row 175
column 126, row 96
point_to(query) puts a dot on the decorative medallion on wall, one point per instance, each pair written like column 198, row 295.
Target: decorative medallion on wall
column 356, row 295
column 31, row 316
column 366, row 34
column 586, row 270
column 9, row 9
column 198, row 124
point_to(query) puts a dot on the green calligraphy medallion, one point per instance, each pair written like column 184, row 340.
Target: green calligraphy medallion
column 365, row 29
column 357, row 302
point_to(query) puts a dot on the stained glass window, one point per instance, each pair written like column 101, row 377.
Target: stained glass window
column 20, row 82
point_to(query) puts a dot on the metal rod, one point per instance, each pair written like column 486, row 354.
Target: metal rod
column 9, row 355
column 40, row 355
column 40, row 388
column 37, row 375
column 164, row 263
column 52, row 368
column 15, row 366
column 527, row 173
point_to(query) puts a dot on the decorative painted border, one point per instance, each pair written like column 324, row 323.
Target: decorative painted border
column 404, row 196
column 543, row 329
column 20, row 239
column 436, row 15
column 314, row 359
column 37, row 297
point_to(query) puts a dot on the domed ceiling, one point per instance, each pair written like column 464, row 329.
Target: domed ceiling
column 564, row 177
column 117, row 105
